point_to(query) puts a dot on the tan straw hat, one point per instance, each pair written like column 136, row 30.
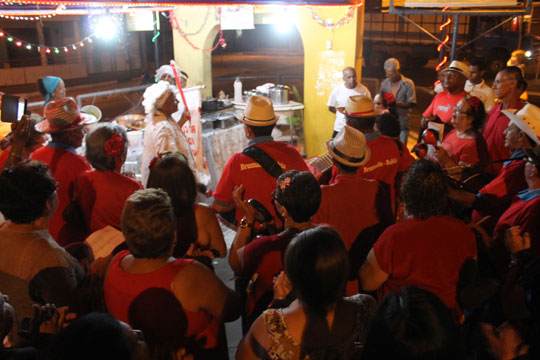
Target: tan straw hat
column 349, row 147
column 359, row 106
column 259, row 112
column 62, row 115
column 527, row 120
column 459, row 67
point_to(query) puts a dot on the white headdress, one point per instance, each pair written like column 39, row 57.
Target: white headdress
column 155, row 96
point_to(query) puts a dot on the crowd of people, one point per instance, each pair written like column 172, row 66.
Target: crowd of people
column 377, row 255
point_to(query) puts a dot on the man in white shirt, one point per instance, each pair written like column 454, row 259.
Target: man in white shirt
column 340, row 95
column 476, row 86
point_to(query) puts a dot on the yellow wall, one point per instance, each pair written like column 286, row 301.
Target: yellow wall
column 323, row 68
column 196, row 63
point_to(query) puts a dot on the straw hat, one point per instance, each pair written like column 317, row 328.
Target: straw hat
column 349, row 147
column 459, row 67
column 359, row 106
column 63, row 115
column 527, row 120
column 259, row 112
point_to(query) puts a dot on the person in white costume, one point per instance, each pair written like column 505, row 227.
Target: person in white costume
column 162, row 132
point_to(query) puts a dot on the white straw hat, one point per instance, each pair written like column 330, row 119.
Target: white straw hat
column 349, row 147
column 527, row 120
column 459, row 67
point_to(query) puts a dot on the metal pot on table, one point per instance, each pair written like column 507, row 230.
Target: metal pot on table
column 279, row 94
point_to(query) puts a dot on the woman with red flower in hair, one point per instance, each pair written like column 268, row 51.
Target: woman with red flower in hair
column 464, row 146
column 102, row 192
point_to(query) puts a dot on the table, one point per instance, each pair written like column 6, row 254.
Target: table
column 218, row 146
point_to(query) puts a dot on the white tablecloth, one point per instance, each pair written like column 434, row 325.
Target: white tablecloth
column 219, row 145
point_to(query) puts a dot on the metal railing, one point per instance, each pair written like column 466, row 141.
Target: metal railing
column 94, row 95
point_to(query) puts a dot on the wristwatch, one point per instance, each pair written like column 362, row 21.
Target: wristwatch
column 244, row 223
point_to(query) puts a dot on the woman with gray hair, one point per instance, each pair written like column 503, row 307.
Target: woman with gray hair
column 162, row 132
column 102, row 192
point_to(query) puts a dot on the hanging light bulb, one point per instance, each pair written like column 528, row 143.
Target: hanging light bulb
column 18, row 43
column 74, row 47
column 48, row 51
column 56, row 51
column 65, row 49
column 29, row 47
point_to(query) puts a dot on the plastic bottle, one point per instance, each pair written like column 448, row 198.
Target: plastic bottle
column 237, row 90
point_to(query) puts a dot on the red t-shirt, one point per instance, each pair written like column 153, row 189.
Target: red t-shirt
column 121, row 288
column 258, row 184
column 348, row 195
column 498, row 194
column 425, row 253
column 493, row 133
column 385, row 162
column 443, row 104
column 526, row 215
column 468, row 151
column 102, row 195
column 349, row 205
column 264, row 256
column 66, row 167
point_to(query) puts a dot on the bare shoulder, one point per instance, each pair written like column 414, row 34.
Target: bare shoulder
column 190, row 273
column 204, row 212
column 203, row 209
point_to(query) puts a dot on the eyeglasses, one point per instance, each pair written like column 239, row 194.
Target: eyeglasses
column 459, row 111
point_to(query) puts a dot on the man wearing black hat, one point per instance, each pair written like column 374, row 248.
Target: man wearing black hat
column 243, row 170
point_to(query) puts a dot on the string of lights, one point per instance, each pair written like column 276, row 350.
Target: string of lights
column 30, row 18
column 90, row 3
column 46, row 48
